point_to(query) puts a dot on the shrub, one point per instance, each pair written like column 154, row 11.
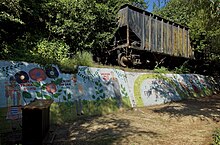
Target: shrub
column 161, row 70
column 182, row 69
column 53, row 51
column 83, row 58
column 69, row 65
column 216, row 137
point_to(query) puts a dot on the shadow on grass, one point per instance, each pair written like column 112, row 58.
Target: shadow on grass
column 207, row 107
column 98, row 130
column 92, row 128
column 63, row 112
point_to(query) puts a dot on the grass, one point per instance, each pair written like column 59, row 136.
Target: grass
column 89, row 108
column 216, row 137
column 127, row 69
column 66, row 111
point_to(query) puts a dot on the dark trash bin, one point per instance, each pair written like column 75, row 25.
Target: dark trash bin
column 35, row 122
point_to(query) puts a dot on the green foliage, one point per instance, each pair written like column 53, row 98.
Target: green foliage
column 161, row 69
column 22, row 26
column 69, row 65
column 31, row 30
column 96, row 107
column 202, row 17
column 84, row 24
column 216, row 137
column 13, row 11
column 183, row 69
column 54, row 50
column 84, row 58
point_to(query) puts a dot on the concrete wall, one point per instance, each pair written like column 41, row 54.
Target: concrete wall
column 142, row 89
column 22, row 82
column 151, row 89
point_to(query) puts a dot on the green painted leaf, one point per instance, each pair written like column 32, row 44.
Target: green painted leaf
column 56, row 95
column 26, row 95
column 47, row 97
column 64, row 97
column 69, row 96
column 44, row 86
column 58, row 81
column 96, row 83
column 93, row 96
column 103, row 97
column 60, row 90
column 97, row 92
column 36, row 84
column 39, row 94
column 101, row 91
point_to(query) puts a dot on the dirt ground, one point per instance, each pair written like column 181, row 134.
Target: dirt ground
column 189, row 122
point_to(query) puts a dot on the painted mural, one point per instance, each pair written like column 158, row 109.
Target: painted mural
column 92, row 90
column 103, row 83
column 150, row 89
column 22, row 82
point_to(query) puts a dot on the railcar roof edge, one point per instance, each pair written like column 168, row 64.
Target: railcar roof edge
column 149, row 13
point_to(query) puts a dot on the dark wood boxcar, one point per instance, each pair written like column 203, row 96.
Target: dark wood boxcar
column 142, row 30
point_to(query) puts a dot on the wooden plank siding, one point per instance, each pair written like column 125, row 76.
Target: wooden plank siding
column 158, row 34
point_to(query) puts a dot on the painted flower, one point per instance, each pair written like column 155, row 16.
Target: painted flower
column 37, row 74
column 52, row 72
column 51, row 88
column 21, row 77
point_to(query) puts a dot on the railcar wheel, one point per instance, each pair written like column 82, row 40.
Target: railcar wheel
column 122, row 60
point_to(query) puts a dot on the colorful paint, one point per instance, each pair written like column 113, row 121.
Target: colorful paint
column 22, row 82
column 103, row 83
column 151, row 89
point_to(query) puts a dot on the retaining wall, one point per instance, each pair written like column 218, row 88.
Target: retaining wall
column 98, row 88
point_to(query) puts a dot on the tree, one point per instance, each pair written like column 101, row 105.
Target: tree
column 80, row 24
column 84, row 25
column 22, row 24
column 201, row 16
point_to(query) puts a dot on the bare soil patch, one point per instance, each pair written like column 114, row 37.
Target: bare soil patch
column 189, row 122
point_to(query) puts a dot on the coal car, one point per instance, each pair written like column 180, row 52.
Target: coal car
column 143, row 37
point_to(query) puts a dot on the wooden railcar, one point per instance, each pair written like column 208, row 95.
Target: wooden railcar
column 142, row 35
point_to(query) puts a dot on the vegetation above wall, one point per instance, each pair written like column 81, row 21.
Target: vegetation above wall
column 51, row 31
column 46, row 31
column 202, row 17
